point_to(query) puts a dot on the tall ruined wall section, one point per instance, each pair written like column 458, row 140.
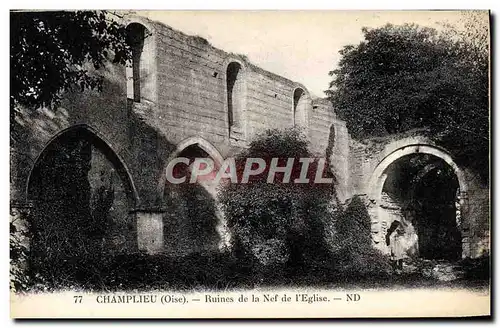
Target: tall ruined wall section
column 186, row 89
column 103, row 113
column 329, row 138
column 479, row 215
column 185, row 95
column 192, row 79
column 193, row 93
column 191, row 88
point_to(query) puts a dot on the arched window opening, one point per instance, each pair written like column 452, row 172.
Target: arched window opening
column 235, row 97
column 136, row 37
column 299, row 107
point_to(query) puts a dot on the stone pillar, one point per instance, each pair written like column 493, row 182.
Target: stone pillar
column 222, row 229
column 464, row 224
column 378, row 216
column 150, row 231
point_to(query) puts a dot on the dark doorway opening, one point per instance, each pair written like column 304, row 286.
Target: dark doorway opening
column 191, row 222
column 421, row 191
column 82, row 197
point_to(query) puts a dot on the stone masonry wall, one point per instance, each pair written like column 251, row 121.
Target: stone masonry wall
column 184, row 96
column 185, row 103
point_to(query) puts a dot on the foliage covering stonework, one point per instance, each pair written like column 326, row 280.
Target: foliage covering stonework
column 276, row 225
column 352, row 246
column 53, row 52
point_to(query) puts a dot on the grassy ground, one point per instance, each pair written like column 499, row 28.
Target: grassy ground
column 222, row 272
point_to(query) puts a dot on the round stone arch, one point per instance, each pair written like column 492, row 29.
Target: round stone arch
column 234, row 60
column 301, row 106
column 235, row 90
column 141, row 70
column 103, row 144
column 379, row 176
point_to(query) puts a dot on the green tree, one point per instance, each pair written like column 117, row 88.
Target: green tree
column 404, row 77
column 54, row 51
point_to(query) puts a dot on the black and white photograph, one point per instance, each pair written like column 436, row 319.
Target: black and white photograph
column 250, row 164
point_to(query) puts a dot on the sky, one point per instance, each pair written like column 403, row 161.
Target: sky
column 300, row 45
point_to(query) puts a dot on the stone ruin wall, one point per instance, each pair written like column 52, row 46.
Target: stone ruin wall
column 184, row 101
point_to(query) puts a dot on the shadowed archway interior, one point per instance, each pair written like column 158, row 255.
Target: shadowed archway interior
column 192, row 220
column 421, row 191
column 82, row 197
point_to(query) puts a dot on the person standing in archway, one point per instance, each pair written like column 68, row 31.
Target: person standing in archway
column 395, row 240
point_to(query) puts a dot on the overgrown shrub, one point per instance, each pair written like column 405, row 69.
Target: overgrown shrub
column 276, row 225
column 352, row 246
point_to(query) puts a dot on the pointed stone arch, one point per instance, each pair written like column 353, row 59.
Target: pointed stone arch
column 86, row 131
column 82, row 197
column 206, row 146
column 201, row 232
